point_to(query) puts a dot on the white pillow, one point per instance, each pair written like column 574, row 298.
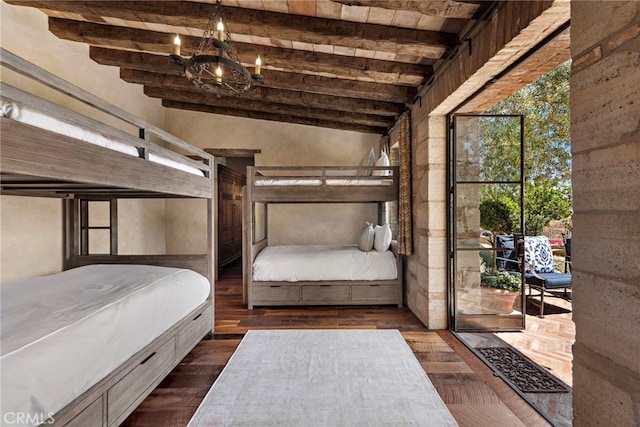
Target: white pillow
column 365, row 241
column 383, row 160
column 368, row 160
column 382, row 238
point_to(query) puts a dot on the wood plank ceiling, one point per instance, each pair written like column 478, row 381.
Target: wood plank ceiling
column 343, row 64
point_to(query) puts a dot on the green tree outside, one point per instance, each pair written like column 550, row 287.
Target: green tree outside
column 545, row 104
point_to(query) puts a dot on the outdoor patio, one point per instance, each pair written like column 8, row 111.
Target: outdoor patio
column 547, row 342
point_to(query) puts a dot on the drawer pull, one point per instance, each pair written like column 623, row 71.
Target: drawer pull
column 275, row 286
column 325, row 286
column 196, row 318
column 374, row 285
column 148, row 357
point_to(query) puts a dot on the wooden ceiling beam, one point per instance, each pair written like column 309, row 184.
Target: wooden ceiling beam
column 135, row 60
column 236, row 103
column 275, row 117
column 272, row 95
column 233, row 152
column 109, row 37
column 273, row 25
column 295, row 82
column 338, row 87
column 440, row 8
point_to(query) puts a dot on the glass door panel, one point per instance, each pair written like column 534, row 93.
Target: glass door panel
column 486, row 209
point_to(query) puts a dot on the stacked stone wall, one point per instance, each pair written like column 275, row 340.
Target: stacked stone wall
column 605, row 136
column 497, row 42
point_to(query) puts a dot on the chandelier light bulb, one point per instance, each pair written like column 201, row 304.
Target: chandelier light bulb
column 219, row 75
column 220, row 29
column 258, row 64
column 176, row 45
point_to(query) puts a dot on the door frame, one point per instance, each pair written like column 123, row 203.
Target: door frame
column 478, row 322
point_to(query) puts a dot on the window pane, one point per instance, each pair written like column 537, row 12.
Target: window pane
column 99, row 242
column 488, row 148
column 486, row 210
column 99, row 214
column 482, row 289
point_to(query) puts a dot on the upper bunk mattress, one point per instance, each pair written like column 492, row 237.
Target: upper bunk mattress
column 269, row 181
column 61, row 334
column 321, row 263
column 41, row 120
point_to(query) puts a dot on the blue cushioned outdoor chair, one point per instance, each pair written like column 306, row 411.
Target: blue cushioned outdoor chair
column 540, row 273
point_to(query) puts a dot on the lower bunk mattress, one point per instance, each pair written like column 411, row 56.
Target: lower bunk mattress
column 61, row 334
column 298, row 263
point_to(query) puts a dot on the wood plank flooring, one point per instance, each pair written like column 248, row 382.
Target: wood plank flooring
column 472, row 393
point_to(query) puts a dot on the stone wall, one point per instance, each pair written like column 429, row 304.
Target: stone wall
column 426, row 278
column 498, row 42
column 605, row 134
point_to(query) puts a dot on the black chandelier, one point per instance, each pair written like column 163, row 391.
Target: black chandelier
column 215, row 66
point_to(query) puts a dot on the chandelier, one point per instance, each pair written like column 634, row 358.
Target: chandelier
column 215, row 66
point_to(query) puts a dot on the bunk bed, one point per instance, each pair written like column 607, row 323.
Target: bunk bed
column 365, row 281
column 67, row 359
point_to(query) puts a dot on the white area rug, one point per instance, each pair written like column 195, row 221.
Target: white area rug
column 323, row 378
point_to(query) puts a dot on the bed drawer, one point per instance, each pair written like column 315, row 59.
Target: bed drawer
column 126, row 392
column 90, row 416
column 276, row 293
column 374, row 293
column 192, row 332
column 325, row 293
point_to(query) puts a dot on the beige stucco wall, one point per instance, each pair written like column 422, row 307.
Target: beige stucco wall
column 30, row 237
column 605, row 138
column 284, row 144
column 141, row 226
column 186, row 226
column 30, row 228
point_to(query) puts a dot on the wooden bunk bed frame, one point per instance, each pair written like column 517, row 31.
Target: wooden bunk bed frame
column 40, row 163
column 342, row 292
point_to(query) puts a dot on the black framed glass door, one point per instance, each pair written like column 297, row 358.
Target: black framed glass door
column 486, row 209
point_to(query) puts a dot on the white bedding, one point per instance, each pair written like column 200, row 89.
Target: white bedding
column 62, row 333
column 321, row 262
column 41, row 120
column 265, row 182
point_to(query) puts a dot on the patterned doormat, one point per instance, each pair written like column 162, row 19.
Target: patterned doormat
column 525, row 375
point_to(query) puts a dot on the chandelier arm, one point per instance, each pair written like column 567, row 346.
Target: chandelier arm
column 216, row 52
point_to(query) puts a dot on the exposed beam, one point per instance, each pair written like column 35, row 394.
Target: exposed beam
column 537, row 63
column 274, row 117
column 338, row 87
column 297, row 82
column 233, row 152
column 235, row 103
column 273, row 25
column 285, row 59
column 273, row 95
column 108, row 36
column 440, row 8
column 134, row 60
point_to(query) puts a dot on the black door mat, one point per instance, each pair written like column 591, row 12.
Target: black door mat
column 524, row 374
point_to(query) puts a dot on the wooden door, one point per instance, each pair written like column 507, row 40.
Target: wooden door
column 230, row 185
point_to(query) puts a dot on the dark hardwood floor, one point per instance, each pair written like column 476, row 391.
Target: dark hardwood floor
column 473, row 394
